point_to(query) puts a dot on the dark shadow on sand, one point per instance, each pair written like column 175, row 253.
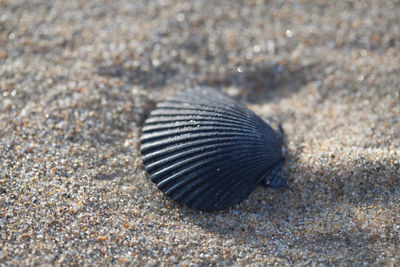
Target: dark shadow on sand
column 153, row 76
column 263, row 83
column 282, row 212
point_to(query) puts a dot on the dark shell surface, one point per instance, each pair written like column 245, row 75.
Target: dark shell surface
column 207, row 151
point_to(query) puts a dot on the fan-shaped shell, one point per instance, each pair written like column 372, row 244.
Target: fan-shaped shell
column 207, row 151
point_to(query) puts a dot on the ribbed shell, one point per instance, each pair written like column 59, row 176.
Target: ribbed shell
column 207, row 151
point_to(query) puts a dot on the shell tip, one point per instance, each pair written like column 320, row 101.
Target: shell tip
column 281, row 133
column 274, row 179
column 277, row 182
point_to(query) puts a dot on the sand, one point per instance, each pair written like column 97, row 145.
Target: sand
column 78, row 78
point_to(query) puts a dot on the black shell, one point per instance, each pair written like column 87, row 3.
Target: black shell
column 207, row 151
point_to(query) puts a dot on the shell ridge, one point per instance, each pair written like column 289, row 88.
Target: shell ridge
column 173, row 154
column 183, row 171
column 171, row 166
column 166, row 120
column 147, row 137
column 206, row 198
column 151, row 146
column 202, row 165
column 243, row 112
column 191, row 123
column 239, row 110
column 201, row 168
column 215, row 164
column 197, row 96
column 257, row 180
column 201, row 190
column 230, row 186
column 171, row 149
column 205, row 106
column 208, row 113
column 238, row 178
column 192, row 135
column 158, row 121
column 172, row 158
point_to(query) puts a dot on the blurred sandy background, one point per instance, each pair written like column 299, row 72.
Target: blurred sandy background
column 78, row 78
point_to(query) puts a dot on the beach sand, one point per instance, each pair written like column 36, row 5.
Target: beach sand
column 78, row 79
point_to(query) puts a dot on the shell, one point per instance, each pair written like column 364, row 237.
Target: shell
column 207, row 151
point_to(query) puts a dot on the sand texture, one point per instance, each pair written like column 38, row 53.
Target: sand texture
column 78, row 79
